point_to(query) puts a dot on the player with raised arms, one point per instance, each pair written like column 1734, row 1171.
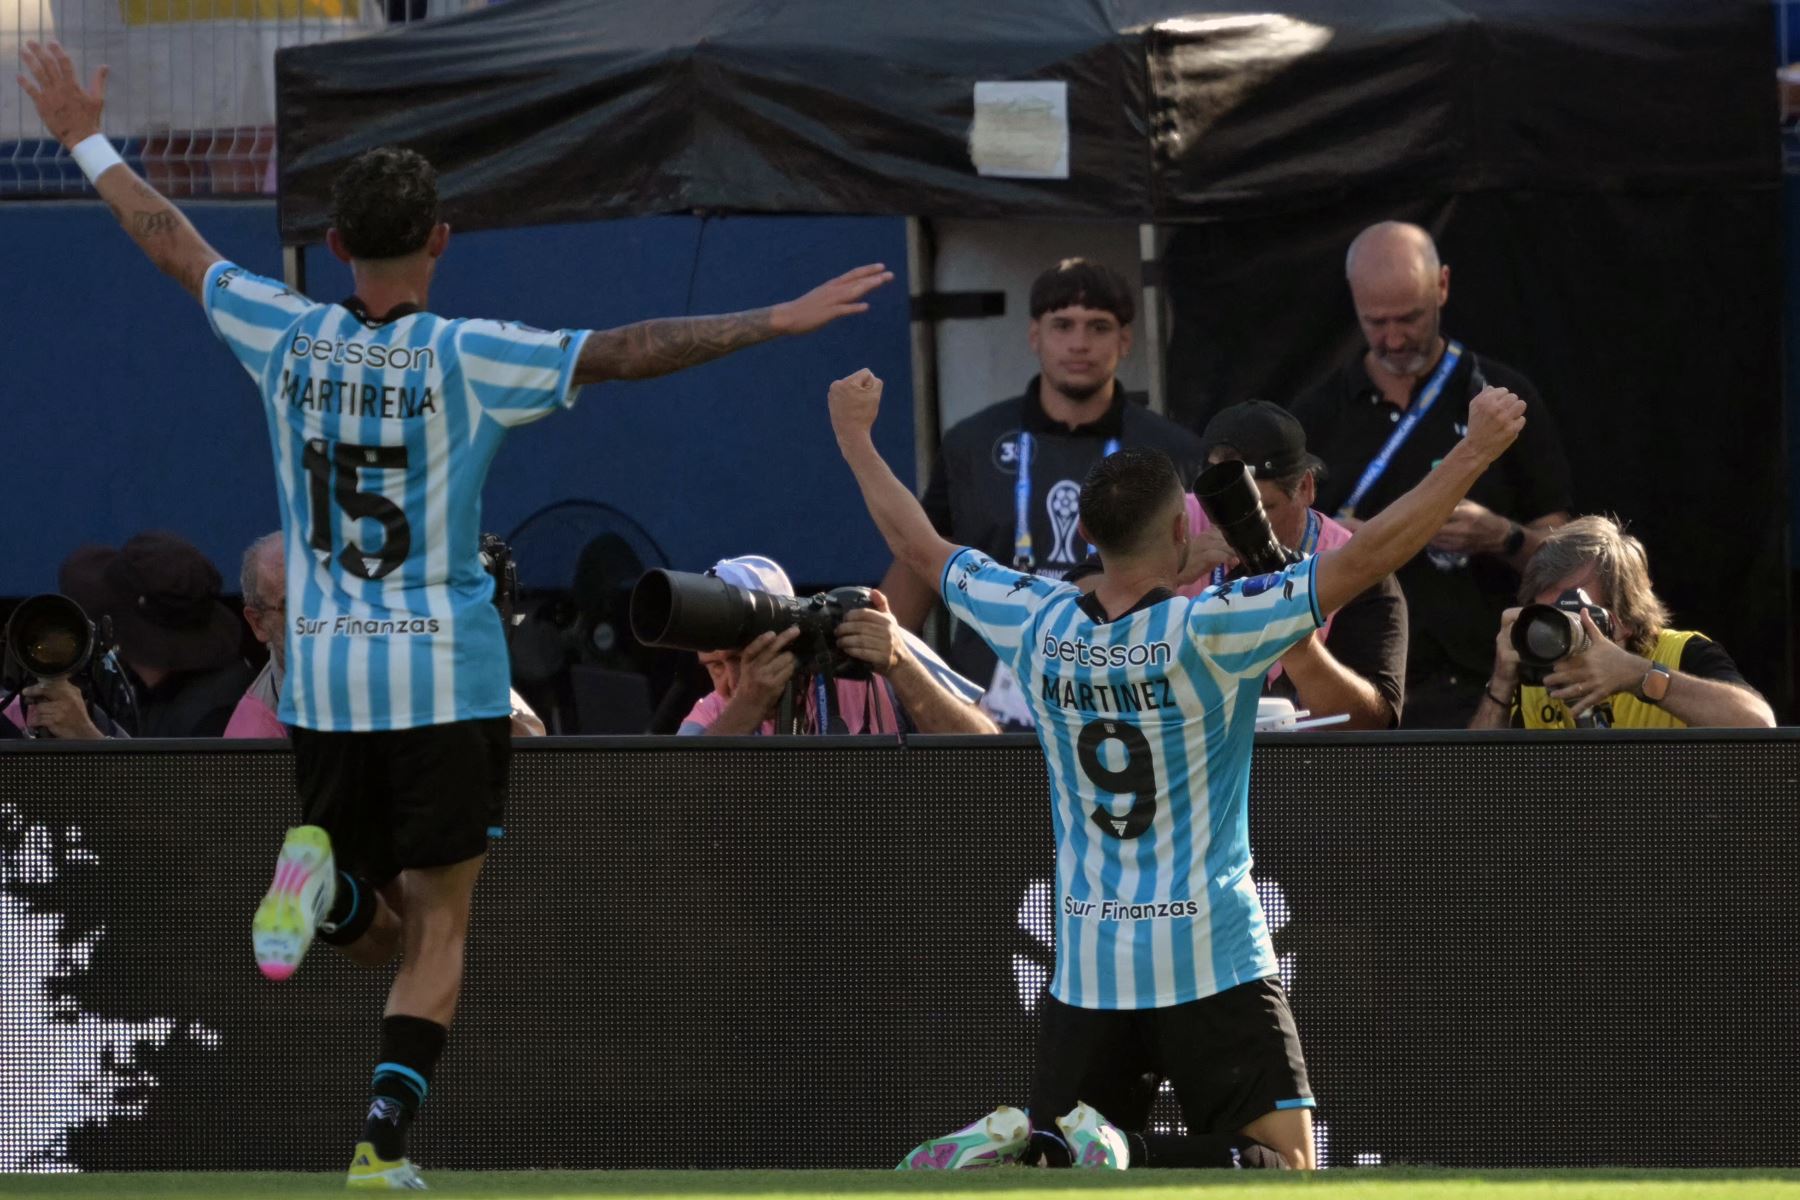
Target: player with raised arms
column 1145, row 704
column 384, row 419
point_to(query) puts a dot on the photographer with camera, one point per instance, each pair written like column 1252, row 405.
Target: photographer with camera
column 913, row 691
column 1590, row 648
column 53, row 665
column 1356, row 664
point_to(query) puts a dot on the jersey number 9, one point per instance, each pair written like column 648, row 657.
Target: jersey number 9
column 1137, row 778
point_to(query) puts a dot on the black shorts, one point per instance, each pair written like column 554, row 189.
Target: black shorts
column 399, row 798
column 1231, row 1057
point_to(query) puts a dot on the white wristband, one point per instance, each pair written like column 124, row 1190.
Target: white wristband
column 94, row 155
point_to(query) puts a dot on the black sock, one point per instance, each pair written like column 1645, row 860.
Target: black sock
column 409, row 1051
column 352, row 911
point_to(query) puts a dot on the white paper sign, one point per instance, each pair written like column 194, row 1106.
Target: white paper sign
column 1021, row 130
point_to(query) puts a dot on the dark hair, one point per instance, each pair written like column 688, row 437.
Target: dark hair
column 385, row 204
column 1076, row 281
column 1123, row 494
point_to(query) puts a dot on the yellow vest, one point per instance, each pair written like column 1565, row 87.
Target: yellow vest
column 1541, row 711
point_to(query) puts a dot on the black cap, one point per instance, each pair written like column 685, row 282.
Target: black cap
column 1266, row 436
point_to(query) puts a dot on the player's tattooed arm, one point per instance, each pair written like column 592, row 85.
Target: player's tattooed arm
column 72, row 114
column 160, row 230
column 651, row 348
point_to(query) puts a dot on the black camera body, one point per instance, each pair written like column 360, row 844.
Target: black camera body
column 683, row 611
column 1545, row 634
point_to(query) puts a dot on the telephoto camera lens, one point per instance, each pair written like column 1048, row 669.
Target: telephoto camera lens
column 49, row 636
column 1228, row 494
column 682, row 611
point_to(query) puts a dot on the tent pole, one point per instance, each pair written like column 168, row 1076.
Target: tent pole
column 293, row 268
column 921, row 280
column 1150, row 267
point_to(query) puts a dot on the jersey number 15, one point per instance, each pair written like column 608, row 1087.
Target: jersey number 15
column 333, row 467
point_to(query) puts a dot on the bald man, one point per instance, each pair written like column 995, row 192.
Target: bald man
column 1385, row 418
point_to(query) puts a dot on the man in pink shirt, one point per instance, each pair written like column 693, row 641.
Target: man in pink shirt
column 1356, row 664
column 264, row 590
column 913, row 690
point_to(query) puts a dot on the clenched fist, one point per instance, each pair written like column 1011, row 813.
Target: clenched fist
column 1495, row 418
column 854, row 403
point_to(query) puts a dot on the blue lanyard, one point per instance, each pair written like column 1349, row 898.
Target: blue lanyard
column 1309, row 544
column 1023, row 558
column 1379, row 464
column 821, row 702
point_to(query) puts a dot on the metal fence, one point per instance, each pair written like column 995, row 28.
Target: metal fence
column 191, row 96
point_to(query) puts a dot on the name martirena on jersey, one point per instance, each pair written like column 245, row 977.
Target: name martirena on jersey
column 345, row 398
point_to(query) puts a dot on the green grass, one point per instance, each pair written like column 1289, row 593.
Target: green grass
column 1360, row 1184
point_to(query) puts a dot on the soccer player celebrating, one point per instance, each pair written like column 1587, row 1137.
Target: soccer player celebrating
column 1145, row 703
column 383, row 420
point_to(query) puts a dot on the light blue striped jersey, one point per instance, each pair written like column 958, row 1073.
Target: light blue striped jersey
column 382, row 435
column 1146, row 724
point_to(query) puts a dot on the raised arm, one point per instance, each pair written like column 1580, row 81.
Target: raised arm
column 897, row 512
column 650, row 348
column 1389, row 539
column 72, row 115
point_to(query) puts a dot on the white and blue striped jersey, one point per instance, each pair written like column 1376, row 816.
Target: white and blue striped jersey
column 1146, row 724
column 382, row 436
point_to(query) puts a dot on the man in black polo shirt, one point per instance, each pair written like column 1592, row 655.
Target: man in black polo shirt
column 1383, row 420
column 1007, row 480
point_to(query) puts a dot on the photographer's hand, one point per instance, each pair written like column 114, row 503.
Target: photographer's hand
column 872, row 635
column 58, row 708
column 763, row 675
column 1604, row 669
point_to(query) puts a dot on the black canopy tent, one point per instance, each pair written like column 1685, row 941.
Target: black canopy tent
column 1603, row 176
column 561, row 110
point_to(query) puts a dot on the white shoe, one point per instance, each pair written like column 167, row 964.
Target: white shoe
column 302, row 893
column 1093, row 1140
column 996, row 1139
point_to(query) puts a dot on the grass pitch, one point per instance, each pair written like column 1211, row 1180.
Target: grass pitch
column 1391, row 1183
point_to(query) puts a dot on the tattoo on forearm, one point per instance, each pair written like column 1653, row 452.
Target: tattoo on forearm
column 651, row 348
column 150, row 224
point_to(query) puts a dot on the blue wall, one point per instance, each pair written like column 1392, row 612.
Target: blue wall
column 122, row 413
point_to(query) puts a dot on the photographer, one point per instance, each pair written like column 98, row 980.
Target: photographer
column 178, row 641
column 1356, row 664
column 1642, row 676
column 913, row 691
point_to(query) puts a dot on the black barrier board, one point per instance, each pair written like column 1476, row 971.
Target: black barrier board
column 1501, row 951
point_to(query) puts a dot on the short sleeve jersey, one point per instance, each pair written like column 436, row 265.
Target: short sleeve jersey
column 1146, row 723
column 382, row 434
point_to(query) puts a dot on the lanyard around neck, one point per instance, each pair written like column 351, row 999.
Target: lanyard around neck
column 1023, row 557
column 1379, row 464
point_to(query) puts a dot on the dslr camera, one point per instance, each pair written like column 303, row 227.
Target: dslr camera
column 1545, row 634
column 682, row 611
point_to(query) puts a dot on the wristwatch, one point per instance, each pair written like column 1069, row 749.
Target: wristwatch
column 1515, row 541
column 1655, row 684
